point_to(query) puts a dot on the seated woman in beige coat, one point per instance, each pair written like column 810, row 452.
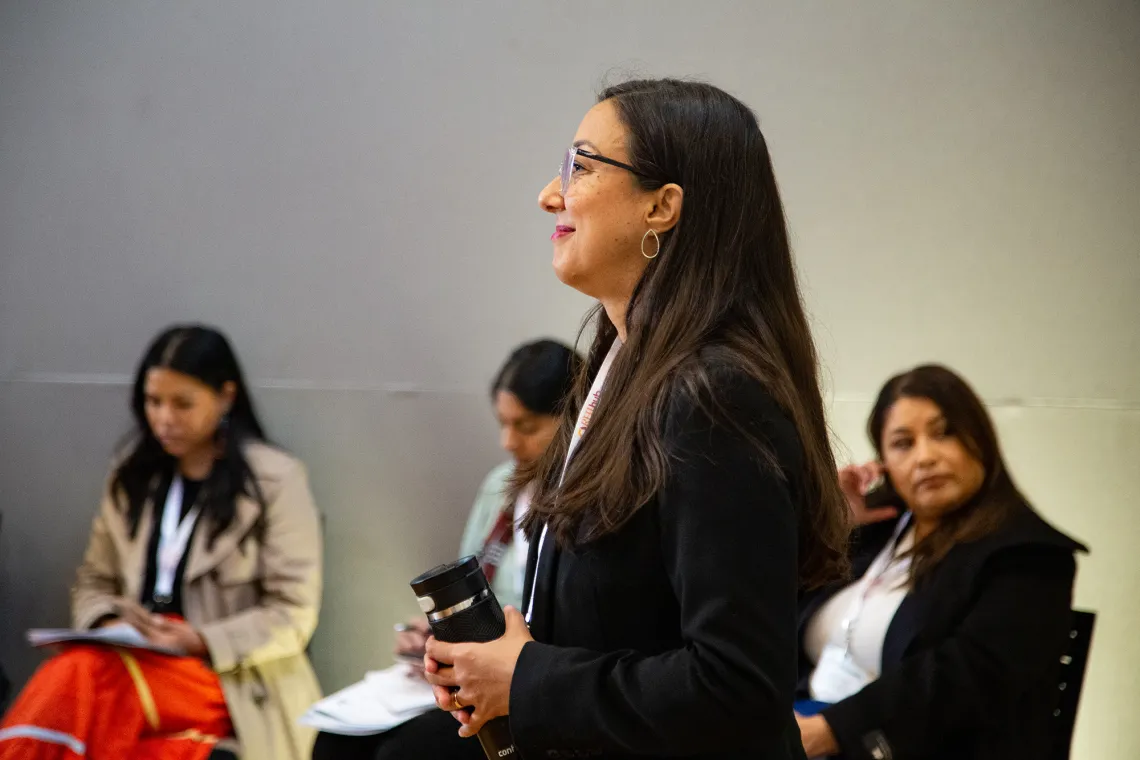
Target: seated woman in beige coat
column 208, row 543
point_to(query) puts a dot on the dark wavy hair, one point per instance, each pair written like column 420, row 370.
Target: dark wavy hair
column 724, row 283
column 967, row 420
column 540, row 375
column 204, row 354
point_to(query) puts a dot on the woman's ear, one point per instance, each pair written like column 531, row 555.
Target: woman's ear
column 228, row 394
column 666, row 210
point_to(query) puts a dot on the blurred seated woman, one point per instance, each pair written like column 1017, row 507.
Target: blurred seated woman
column 947, row 642
column 527, row 394
column 207, row 542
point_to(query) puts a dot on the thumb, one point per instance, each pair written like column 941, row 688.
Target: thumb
column 515, row 621
column 868, row 478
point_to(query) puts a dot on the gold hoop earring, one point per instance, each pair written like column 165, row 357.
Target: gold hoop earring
column 656, row 239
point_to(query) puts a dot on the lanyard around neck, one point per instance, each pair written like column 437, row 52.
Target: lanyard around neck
column 173, row 537
column 585, row 416
column 872, row 577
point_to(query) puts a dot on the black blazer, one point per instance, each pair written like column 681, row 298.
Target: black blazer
column 676, row 635
column 971, row 658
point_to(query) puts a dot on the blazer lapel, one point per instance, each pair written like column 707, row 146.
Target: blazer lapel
column 902, row 630
column 915, row 616
column 132, row 551
column 204, row 557
column 542, row 622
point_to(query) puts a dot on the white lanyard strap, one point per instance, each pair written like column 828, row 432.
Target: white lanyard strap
column 870, row 578
column 174, row 535
column 584, row 418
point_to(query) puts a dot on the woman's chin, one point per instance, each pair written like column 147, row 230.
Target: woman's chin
column 176, row 450
column 936, row 505
column 561, row 270
column 571, row 276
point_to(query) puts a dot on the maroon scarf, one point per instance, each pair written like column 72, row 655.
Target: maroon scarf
column 498, row 541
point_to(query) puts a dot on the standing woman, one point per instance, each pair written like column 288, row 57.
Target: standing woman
column 207, row 541
column 690, row 492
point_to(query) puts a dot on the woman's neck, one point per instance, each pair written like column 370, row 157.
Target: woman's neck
column 196, row 465
column 923, row 528
column 615, row 310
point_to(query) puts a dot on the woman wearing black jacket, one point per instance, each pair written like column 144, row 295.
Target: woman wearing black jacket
column 946, row 643
column 691, row 490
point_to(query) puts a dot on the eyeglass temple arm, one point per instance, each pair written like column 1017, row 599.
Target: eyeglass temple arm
column 610, row 161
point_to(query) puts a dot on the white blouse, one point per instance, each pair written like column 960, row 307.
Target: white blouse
column 881, row 596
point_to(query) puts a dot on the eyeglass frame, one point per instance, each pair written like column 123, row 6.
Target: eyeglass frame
column 565, row 172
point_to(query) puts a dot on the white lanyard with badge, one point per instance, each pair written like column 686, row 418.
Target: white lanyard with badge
column 837, row 676
column 173, row 537
column 580, row 426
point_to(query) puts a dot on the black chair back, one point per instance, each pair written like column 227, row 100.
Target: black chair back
column 1072, row 678
column 5, row 685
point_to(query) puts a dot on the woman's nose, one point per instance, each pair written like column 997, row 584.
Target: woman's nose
column 162, row 417
column 924, row 451
column 550, row 197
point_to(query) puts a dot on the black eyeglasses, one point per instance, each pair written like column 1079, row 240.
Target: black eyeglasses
column 566, row 171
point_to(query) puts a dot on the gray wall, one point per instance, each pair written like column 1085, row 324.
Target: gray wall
column 348, row 188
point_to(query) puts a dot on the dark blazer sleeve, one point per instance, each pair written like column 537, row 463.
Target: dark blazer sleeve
column 1014, row 632
column 728, row 539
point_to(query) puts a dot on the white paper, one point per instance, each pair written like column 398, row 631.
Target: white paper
column 119, row 634
column 383, row 700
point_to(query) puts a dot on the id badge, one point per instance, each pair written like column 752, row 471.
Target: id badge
column 836, row 676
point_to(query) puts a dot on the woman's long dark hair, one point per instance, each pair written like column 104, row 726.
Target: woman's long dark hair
column 204, row 354
column 540, row 375
column 967, row 420
column 724, row 281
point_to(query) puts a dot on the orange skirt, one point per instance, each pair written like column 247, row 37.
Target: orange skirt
column 106, row 703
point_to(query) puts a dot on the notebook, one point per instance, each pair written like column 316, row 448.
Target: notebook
column 117, row 634
column 383, row 700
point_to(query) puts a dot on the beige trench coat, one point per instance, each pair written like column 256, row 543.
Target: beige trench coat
column 254, row 602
